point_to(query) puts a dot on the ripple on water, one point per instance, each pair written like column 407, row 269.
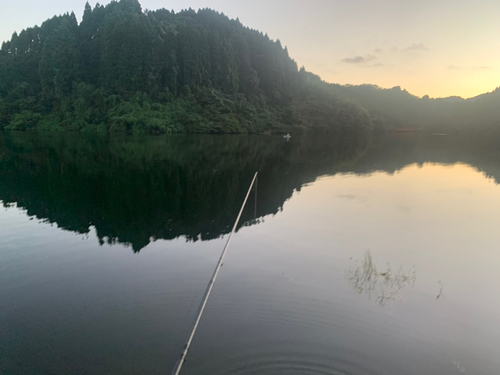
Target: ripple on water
column 286, row 362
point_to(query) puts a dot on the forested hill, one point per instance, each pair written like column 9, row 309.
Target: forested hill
column 396, row 107
column 124, row 69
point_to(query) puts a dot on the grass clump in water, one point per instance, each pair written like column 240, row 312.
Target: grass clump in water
column 366, row 278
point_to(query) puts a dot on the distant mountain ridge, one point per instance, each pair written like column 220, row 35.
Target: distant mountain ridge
column 398, row 108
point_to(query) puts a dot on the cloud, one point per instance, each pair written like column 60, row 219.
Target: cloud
column 359, row 59
column 354, row 60
column 378, row 50
column 366, row 61
column 417, row 47
column 480, row 67
column 454, row 67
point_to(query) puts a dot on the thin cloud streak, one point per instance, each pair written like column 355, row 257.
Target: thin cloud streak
column 359, row 59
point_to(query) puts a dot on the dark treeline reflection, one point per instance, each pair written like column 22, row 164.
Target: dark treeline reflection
column 135, row 190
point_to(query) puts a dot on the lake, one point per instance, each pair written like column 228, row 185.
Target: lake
column 353, row 255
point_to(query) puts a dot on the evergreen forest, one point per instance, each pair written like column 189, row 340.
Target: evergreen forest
column 122, row 69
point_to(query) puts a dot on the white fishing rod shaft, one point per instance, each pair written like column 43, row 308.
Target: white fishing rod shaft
column 183, row 355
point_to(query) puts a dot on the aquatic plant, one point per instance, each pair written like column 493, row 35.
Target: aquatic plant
column 366, row 278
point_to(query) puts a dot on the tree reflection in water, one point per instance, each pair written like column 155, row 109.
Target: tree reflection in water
column 137, row 189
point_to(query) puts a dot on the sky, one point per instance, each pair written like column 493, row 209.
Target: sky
column 438, row 48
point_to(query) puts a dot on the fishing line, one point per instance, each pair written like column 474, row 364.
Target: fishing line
column 182, row 357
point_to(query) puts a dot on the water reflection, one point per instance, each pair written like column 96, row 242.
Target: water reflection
column 137, row 190
column 281, row 305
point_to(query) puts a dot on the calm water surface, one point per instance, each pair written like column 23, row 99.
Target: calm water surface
column 356, row 256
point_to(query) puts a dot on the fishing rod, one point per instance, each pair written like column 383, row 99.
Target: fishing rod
column 182, row 357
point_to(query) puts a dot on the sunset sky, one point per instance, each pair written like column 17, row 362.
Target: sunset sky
column 435, row 47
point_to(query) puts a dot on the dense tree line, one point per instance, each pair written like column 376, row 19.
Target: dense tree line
column 125, row 69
